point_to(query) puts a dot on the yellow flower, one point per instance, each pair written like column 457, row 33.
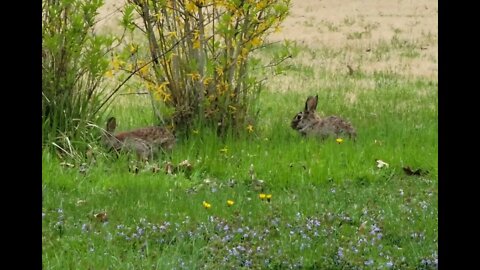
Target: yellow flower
column 256, row 41
column 109, row 74
column 157, row 16
column 244, row 53
column 339, row 140
column 144, row 71
column 133, row 49
column 232, row 108
column 224, row 150
column 167, row 97
column 262, row 196
column 191, row 7
column 196, row 44
column 230, row 202
column 195, row 76
column 116, row 63
column 207, row 81
column 269, row 197
column 219, row 71
column 195, row 131
column 250, row 128
column 261, row 5
column 206, row 205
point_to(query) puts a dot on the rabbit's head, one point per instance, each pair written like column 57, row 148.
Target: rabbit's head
column 111, row 125
column 308, row 117
column 108, row 137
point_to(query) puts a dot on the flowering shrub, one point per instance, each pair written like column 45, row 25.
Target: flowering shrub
column 200, row 57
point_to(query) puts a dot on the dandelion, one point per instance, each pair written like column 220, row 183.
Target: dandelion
column 230, row 202
column 206, row 205
column 339, row 140
column 262, row 196
column 250, row 128
column 269, row 197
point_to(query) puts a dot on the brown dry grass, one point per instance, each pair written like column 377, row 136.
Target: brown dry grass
column 398, row 36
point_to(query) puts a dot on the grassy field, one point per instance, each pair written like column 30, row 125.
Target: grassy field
column 331, row 207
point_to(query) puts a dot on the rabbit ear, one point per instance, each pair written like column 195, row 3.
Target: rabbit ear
column 111, row 124
column 311, row 104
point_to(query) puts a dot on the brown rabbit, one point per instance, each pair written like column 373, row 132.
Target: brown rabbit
column 145, row 142
column 308, row 123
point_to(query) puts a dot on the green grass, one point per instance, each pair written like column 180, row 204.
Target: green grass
column 331, row 206
column 322, row 192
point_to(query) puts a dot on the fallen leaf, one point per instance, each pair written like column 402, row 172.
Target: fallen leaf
column 169, row 168
column 381, row 163
column 80, row 202
column 362, row 227
column 378, row 142
column 66, row 164
column 83, row 168
column 258, row 184
column 185, row 164
column 350, row 70
column 155, row 168
column 102, row 216
column 410, row 171
column 133, row 168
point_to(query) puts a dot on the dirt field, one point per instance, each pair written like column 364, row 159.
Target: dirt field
column 333, row 23
column 359, row 28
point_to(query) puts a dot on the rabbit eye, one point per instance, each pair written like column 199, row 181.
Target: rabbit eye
column 299, row 116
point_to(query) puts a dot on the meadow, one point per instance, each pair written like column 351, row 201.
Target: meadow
column 272, row 199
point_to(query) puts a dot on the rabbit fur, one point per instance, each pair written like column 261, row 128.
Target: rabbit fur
column 145, row 142
column 309, row 123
